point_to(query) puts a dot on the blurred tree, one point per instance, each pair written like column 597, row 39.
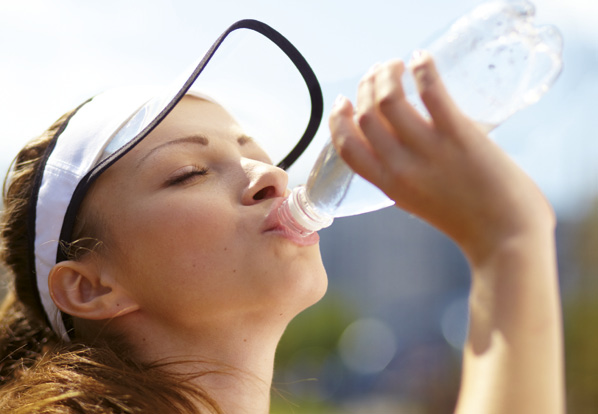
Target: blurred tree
column 310, row 378
column 319, row 326
column 305, row 356
column 580, row 308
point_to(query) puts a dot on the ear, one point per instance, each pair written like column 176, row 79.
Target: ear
column 81, row 289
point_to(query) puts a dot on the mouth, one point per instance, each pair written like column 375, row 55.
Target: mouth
column 272, row 225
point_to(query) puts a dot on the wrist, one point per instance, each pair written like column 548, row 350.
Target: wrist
column 514, row 237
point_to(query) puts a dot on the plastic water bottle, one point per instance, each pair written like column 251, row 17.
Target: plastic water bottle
column 494, row 61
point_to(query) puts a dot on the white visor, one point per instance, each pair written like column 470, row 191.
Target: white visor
column 251, row 70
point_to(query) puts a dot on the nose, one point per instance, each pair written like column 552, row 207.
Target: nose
column 265, row 181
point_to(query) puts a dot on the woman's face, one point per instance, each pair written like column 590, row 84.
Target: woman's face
column 190, row 214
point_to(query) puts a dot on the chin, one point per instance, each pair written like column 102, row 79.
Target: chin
column 308, row 288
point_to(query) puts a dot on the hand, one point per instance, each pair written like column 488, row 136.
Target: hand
column 443, row 169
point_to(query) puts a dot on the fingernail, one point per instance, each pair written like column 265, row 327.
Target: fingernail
column 418, row 57
column 419, row 68
column 372, row 69
column 339, row 101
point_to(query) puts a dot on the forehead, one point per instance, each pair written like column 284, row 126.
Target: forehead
column 194, row 120
column 194, row 116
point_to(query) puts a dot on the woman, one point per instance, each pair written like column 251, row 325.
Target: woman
column 176, row 280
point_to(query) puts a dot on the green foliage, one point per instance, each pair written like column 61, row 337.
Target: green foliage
column 317, row 327
column 581, row 344
column 282, row 406
column 308, row 343
column 581, row 321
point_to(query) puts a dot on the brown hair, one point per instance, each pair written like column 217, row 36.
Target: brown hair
column 41, row 373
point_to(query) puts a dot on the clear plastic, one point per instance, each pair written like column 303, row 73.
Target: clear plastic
column 494, row 62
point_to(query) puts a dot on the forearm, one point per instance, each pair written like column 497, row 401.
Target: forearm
column 513, row 358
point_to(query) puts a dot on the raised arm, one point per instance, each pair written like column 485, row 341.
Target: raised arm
column 446, row 171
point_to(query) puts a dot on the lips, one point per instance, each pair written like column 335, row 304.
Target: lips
column 273, row 225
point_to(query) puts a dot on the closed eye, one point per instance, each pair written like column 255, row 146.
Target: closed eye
column 185, row 175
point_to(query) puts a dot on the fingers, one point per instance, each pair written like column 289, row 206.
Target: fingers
column 410, row 127
column 386, row 136
column 446, row 116
column 381, row 135
column 372, row 139
column 384, row 114
column 350, row 142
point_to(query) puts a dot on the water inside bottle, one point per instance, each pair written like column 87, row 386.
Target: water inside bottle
column 334, row 189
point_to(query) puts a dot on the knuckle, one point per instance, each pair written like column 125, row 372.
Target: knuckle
column 343, row 148
column 404, row 173
column 365, row 118
column 387, row 101
column 397, row 173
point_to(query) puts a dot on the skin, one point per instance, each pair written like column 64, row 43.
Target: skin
column 445, row 170
column 194, row 269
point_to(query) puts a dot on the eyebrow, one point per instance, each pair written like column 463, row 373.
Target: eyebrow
column 244, row 139
column 191, row 139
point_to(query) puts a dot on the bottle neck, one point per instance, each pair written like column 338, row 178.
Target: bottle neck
column 298, row 215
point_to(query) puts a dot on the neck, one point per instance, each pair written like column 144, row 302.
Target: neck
column 243, row 372
column 234, row 359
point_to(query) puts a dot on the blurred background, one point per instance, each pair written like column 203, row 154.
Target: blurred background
column 388, row 336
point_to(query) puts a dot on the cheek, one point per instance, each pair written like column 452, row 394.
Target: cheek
column 194, row 260
column 188, row 235
column 189, row 253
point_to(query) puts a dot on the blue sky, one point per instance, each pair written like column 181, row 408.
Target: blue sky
column 57, row 54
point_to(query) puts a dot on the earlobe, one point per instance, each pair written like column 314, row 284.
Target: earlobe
column 80, row 289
